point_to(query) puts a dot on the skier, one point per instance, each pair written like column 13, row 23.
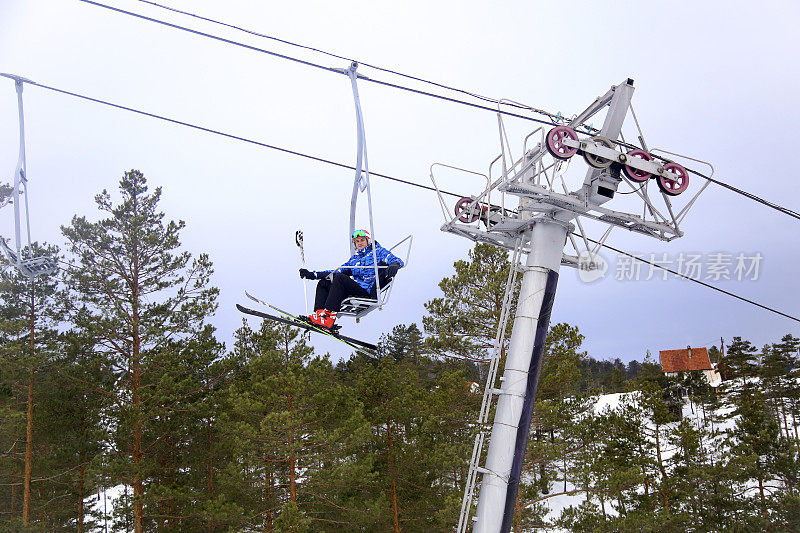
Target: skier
column 335, row 286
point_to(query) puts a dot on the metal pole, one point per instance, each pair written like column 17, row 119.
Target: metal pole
column 520, row 378
column 360, row 182
column 298, row 240
column 20, row 172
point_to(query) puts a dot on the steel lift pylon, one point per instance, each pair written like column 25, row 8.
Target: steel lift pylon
column 541, row 225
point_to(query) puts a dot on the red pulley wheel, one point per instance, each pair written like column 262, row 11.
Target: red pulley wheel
column 634, row 173
column 466, row 213
column 674, row 188
column 555, row 142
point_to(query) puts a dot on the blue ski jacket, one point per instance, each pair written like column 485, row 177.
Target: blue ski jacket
column 365, row 276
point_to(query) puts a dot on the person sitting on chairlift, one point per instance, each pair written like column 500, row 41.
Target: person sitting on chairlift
column 336, row 285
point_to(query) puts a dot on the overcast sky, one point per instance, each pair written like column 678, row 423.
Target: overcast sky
column 714, row 80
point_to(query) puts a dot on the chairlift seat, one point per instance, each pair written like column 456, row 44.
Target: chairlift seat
column 30, row 267
column 359, row 307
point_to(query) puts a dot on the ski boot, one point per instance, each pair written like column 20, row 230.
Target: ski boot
column 322, row 318
column 328, row 320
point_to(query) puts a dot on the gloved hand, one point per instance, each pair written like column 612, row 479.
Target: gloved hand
column 307, row 274
column 391, row 270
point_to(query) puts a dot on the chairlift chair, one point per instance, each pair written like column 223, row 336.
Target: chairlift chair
column 352, row 306
column 360, row 307
column 30, row 267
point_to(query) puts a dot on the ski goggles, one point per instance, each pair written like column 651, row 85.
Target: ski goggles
column 360, row 233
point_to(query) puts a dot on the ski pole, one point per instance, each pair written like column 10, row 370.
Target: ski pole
column 298, row 240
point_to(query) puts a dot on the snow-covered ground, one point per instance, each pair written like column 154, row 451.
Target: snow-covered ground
column 563, row 498
column 609, row 401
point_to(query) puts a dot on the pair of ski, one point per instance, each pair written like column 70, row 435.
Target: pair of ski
column 298, row 322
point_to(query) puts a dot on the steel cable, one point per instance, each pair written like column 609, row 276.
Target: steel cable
column 350, row 167
column 554, row 118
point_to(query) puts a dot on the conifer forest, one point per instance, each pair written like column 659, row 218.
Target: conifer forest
column 120, row 410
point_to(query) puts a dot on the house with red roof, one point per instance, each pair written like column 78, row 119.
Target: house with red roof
column 689, row 360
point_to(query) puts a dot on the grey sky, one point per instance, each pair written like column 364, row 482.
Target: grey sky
column 713, row 80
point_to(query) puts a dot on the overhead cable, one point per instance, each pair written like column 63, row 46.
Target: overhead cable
column 232, row 136
column 319, row 66
column 214, row 37
column 704, row 284
column 553, row 118
column 751, row 196
column 385, row 176
column 336, row 56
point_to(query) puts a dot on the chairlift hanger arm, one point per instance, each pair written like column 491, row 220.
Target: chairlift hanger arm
column 30, row 266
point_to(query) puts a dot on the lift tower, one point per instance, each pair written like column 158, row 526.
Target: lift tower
column 541, row 224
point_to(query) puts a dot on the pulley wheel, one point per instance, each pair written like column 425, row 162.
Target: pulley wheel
column 674, row 188
column 555, row 142
column 634, row 173
column 595, row 160
column 466, row 213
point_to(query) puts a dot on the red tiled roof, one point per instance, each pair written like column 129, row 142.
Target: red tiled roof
column 680, row 360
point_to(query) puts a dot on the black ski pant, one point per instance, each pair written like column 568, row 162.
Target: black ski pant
column 330, row 294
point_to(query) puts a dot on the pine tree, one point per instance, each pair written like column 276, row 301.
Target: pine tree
column 179, row 433
column 756, row 446
column 136, row 293
column 246, row 482
column 632, row 370
column 390, row 397
column 554, row 448
column 28, row 331
column 12, row 401
column 779, row 381
column 658, row 399
column 584, row 439
column 294, row 439
column 620, row 468
column 73, row 426
column 195, row 428
column 721, row 494
column 463, row 323
column 337, row 434
column 420, row 412
column 740, row 361
column 441, row 440
column 557, row 402
column 715, row 356
column 403, row 342
column 560, row 375
column 690, row 472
